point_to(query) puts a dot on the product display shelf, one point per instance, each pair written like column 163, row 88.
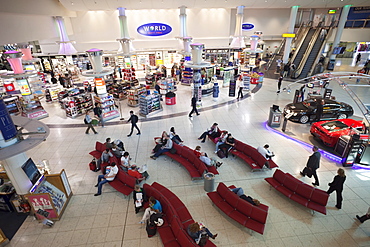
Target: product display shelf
column 37, row 84
column 133, row 95
column 167, row 85
column 12, row 105
column 119, row 89
column 149, row 104
column 32, row 108
column 187, row 76
column 129, row 74
column 107, row 105
column 51, row 93
column 77, row 105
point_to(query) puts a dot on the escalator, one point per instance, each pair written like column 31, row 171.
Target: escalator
column 302, row 49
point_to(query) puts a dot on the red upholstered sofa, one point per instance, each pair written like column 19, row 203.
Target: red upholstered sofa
column 298, row 191
column 243, row 212
column 99, row 149
column 249, row 154
column 173, row 232
column 186, row 157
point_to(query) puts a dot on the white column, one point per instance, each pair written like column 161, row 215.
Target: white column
column 13, row 168
column 183, row 29
column 288, row 41
column 338, row 34
column 238, row 40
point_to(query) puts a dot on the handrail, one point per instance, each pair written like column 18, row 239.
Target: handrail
column 277, row 51
column 306, row 31
column 321, row 48
column 300, row 67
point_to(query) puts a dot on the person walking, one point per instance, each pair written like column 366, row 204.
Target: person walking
column 194, row 106
column 337, row 185
column 240, row 91
column 319, row 109
column 358, row 58
column 280, row 80
column 119, row 72
column 98, row 114
column 312, row 165
column 364, row 217
column 286, row 70
column 133, row 119
column 88, row 122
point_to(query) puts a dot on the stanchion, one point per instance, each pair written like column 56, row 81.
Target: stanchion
column 284, row 124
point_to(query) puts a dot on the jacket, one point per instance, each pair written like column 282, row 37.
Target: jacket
column 338, row 182
column 314, row 161
column 134, row 119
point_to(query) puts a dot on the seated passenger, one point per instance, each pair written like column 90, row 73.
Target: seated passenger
column 204, row 158
column 239, row 191
column 104, row 158
column 229, row 144
column 212, row 132
column 133, row 171
column 154, row 207
column 199, row 233
column 125, row 161
column 119, row 144
column 115, row 151
column 160, row 141
column 174, row 137
column 266, row 154
column 166, row 148
column 139, row 198
column 221, row 140
column 108, row 143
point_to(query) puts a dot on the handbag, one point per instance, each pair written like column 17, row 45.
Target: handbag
column 308, row 172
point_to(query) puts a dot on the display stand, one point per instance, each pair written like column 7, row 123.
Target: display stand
column 149, row 104
column 133, row 95
column 119, row 89
column 167, row 85
column 187, row 76
column 32, row 108
column 37, row 84
column 129, row 74
column 12, row 105
column 51, row 196
column 107, row 105
column 77, row 105
column 51, row 93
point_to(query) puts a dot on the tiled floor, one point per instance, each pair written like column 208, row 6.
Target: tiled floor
column 109, row 220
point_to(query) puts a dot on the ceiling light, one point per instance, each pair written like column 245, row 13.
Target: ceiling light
column 72, row 3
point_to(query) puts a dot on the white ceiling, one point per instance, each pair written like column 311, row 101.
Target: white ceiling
column 96, row 5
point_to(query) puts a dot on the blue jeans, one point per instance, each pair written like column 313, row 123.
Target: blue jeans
column 238, row 191
column 161, row 151
column 218, row 144
column 101, row 181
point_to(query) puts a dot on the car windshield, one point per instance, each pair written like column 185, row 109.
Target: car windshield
column 334, row 126
column 309, row 103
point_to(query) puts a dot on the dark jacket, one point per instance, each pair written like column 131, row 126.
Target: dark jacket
column 338, row 182
column 97, row 111
column 134, row 119
column 193, row 102
column 314, row 161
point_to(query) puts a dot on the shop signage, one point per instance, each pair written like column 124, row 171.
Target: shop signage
column 24, row 87
column 100, row 86
column 154, row 29
column 247, row 26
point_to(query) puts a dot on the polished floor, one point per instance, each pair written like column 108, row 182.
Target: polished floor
column 109, row 219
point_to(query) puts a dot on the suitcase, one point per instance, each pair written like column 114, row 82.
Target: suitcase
column 307, row 171
column 92, row 165
column 151, row 229
column 220, row 154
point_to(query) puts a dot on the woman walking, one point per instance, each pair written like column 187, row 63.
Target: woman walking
column 337, row 185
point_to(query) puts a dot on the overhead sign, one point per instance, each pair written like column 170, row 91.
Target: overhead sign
column 288, row 35
column 247, row 26
column 332, row 11
column 154, row 29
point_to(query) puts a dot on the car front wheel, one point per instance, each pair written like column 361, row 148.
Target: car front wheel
column 304, row 119
column 342, row 116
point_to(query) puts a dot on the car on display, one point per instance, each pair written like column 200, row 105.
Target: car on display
column 330, row 131
column 305, row 111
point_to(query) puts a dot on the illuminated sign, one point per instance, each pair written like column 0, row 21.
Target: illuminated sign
column 154, row 29
column 288, row 35
column 247, row 26
column 332, row 11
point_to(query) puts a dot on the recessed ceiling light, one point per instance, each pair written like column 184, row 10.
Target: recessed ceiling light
column 72, row 3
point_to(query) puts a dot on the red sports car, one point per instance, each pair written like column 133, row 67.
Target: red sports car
column 330, row 131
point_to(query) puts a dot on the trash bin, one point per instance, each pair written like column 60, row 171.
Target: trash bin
column 209, row 182
column 274, row 117
column 170, row 98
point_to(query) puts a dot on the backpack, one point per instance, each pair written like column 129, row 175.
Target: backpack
column 156, row 219
column 203, row 239
column 85, row 121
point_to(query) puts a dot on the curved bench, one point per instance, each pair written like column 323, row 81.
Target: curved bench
column 187, row 158
column 298, row 191
column 173, row 232
column 99, row 149
column 243, row 212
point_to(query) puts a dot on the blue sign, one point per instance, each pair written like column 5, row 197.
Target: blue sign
column 7, row 126
column 247, row 26
column 154, row 29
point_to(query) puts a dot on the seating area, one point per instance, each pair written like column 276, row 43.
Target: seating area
column 186, row 157
column 298, row 191
column 243, row 212
column 173, row 232
column 250, row 155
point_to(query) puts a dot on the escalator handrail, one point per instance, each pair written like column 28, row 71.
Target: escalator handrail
column 300, row 44
column 328, row 34
column 296, row 73
column 277, row 51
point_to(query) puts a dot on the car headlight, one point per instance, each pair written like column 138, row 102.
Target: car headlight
column 295, row 114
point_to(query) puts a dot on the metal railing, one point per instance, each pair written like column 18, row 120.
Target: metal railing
column 361, row 23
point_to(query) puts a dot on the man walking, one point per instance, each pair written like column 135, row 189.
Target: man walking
column 98, row 113
column 133, row 119
column 194, row 106
column 313, row 164
column 88, row 121
column 111, row 172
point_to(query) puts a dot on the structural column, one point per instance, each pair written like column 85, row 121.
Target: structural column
column 338, row 34
column 288, row 41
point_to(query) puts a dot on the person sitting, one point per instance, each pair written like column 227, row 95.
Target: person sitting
column 119, row 144
column 108, row 143
column 239, row 191
column 221, row 140
column 133, row 171
column 229, row 144
column 174, row 137
column 125, row 161
column 115, row 151
column 160, row 141
column 104, row 158
column 265, row 152
column 111, row 172
column 205, row 159
column 166, row 148
column 197, row 230
column 139, row 198
column 154, row 207
column 213, row 132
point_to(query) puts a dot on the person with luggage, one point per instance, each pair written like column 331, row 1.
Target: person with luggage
column 88, row 122
column 205, row 159
column 154, row 207
column 239, row 192
column 166, row 148
column 133, row 119
column 139, row 198
column 111, row 172
column 200, row 233
column 175, row 137
column 228, row 145
column 194, row 107
column 312, row 165
column 212, row 132
column 104, row 158
column 337, row 186
column 364, row 217
column 221, row 140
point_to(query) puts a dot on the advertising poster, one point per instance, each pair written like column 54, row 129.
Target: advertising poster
column 7, row 126
column 100, row 86
column 24, row 86
column 42, row 201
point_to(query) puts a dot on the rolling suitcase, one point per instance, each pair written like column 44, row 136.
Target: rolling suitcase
column 92, row 165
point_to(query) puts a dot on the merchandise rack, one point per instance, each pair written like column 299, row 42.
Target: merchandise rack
column 12, row 105
column 149, row 104
column 77, row 105
column 108, row 107
column 133, row 95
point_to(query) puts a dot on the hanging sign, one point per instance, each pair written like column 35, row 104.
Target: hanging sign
column 24, row 87
column 247, row 26
column 154, row 29
column 100, row 86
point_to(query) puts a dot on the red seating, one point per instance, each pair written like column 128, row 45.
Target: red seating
column 99, row 148
column 186, row 157
column 176, row 216
column 298, row 191
column 243, row 212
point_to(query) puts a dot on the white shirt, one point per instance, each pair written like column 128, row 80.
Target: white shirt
column 265, row 153
column 125, row 161
column 112, row 172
